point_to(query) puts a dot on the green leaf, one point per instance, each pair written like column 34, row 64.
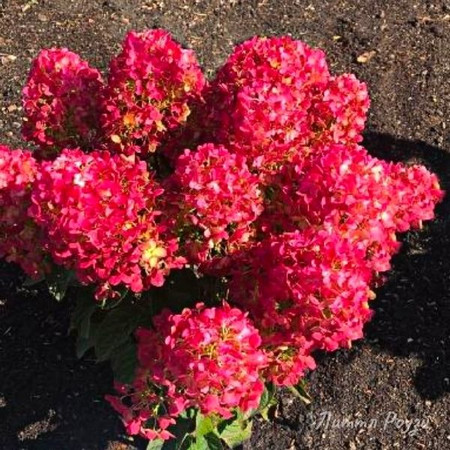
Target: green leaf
column 269, row 411
column 236, row 433
column 267, row 401
column 267, row 396
column 204, row 425
column 214, row 442
column 198, row 443
column 115, row 329
column 82, row 345
column 189, row 413
column 58, row 281
column 155, row 444
column 124, row 362
column 81, row 316
column 264, row 401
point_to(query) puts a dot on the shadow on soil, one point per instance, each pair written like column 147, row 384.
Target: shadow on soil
column 48, row 398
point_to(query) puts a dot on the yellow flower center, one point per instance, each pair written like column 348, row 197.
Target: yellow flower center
column 152, row 254
column 129, row 120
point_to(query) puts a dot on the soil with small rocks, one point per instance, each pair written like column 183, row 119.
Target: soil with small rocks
column 391, row 390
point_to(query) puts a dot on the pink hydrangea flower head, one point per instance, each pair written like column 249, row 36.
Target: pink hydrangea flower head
column 214, row 355
column 207, row 358
column 259, row 102
column 142, row 408
column 274, row 98
column 153, row 84
column 309, row 288
column 289, row 356
column 217, row 199
column 417, row 191
column 99, row 213
column 61, row 102
column 366, row 199
column 19, row 236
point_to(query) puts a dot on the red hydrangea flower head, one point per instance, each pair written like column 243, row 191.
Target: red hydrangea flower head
column 61, row 102
column 207, row 358
column 217, row 196
column 100, row 217
column 368, row 200
column 309, row 287
column 259, row 102
column 213, row 355
column 19, row 237
column 274, row 98
column 152, row 86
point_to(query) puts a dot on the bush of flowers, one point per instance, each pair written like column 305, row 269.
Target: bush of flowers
column 215, row 234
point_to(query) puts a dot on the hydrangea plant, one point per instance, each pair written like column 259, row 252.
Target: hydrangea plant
column 216, row 233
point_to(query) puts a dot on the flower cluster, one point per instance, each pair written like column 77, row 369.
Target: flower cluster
column 365, row 199
column 207, row 358
column 19, row 236
column 217, row 199
column 306, row 290
column 152, row 87
column 99, row 215
column 61, row 102
column 274, row 97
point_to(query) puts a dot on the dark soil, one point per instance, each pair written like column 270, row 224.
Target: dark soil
column 401, row 371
